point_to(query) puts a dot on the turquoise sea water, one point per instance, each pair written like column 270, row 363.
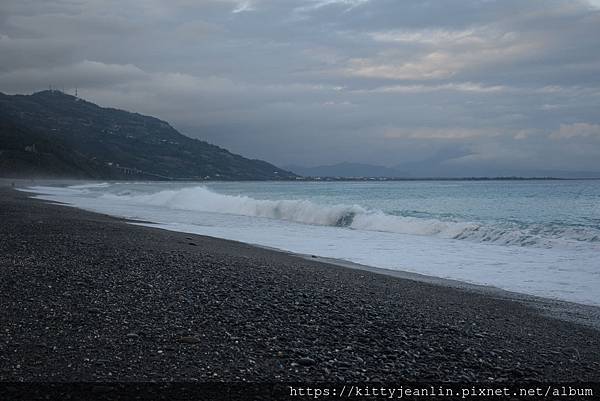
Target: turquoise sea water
column 516, row 212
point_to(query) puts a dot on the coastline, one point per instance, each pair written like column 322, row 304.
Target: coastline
column 588, row 315
column 92, row 297
column 585, row 314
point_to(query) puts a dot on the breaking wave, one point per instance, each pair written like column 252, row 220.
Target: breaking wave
column 91, row 185
column 357, row 217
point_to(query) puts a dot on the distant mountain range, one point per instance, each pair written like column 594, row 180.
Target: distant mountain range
column 52, row 134
column 347, row 170
column 428, row 169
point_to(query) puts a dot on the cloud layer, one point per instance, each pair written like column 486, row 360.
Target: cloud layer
column 487, row 86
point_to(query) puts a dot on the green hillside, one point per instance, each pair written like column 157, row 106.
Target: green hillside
column 51, row 133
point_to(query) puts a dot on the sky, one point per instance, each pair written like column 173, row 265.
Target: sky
column 468, row 85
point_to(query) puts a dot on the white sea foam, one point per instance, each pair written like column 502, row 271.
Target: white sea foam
column 355, row 217
column 91, row 185
column 203, row 200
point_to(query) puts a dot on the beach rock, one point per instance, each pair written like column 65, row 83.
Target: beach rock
column 188, row 340
column 306, row 361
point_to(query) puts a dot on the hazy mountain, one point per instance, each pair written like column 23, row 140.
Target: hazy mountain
column 54, row 134
column 430, row 169
column 347, row 170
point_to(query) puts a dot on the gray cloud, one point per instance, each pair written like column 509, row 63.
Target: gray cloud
column 479, row 84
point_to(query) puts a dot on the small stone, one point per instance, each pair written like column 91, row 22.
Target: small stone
column 188, row 340
column 306, row 361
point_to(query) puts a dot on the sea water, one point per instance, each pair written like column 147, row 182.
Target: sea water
column 534, row 237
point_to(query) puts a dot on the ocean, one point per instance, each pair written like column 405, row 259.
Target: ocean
column 534, row 237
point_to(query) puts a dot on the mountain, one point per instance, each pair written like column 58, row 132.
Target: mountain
column 54, row 134
column 430, row 169
column 347, row 170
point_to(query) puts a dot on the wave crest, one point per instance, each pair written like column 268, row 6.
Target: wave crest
column 356, row 217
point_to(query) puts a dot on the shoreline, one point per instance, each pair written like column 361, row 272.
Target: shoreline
column 578, row 309
column 588, row 315
column 579, row 313
column 93, row 297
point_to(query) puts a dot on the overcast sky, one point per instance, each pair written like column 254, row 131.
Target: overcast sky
column 481, row 84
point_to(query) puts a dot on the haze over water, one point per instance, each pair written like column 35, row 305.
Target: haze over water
column 534, row 237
